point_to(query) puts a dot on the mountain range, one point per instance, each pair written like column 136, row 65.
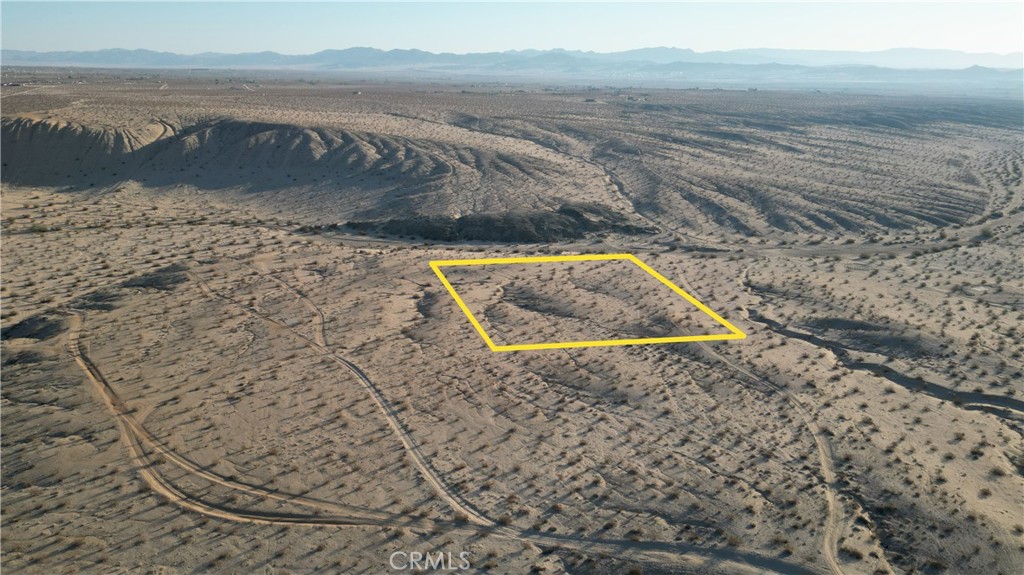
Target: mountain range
column 904, row 70
column 371, row 58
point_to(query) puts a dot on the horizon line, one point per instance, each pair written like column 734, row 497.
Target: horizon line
column 512, row 50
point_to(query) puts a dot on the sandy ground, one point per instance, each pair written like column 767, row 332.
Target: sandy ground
column 190, row 385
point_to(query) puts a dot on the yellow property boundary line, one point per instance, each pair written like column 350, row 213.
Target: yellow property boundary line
column 436, row 265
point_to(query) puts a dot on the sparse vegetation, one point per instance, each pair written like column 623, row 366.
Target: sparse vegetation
column 865, row 244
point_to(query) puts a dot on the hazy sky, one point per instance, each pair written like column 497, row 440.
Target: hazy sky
column 302, row 28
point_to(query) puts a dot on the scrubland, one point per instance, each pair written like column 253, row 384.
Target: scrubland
column 208, row 368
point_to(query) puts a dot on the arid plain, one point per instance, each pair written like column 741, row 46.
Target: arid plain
column 225, row 351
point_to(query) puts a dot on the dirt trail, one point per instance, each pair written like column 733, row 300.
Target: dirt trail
column 138, row 440
column 20, row 93
column 673, row 552
column 830, row 540
column 141, row 443
column 318, row 343
column 319, row 321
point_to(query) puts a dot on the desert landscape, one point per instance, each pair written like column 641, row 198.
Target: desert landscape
column 225, row 350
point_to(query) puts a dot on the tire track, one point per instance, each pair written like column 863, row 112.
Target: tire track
column 318, row 343
column 660, row 552
column 138, row 440
column 830, row 539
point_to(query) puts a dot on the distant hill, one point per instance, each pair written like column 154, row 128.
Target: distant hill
column 354, row 58
column 903, row 70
